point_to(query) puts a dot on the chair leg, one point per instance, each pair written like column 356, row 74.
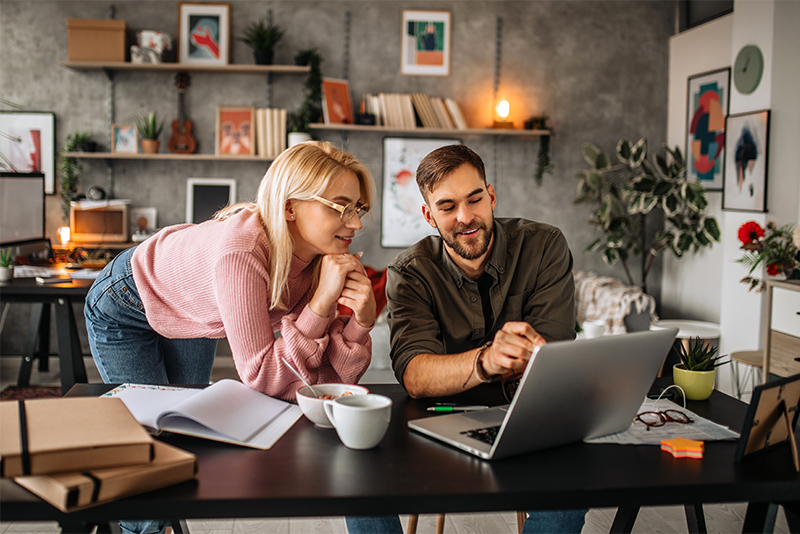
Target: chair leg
column 439, row 523
column 411, row 528
column 521, row 517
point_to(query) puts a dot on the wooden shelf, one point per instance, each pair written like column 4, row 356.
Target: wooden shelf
column 163, row 156
column 437, row 132
column 179, row 67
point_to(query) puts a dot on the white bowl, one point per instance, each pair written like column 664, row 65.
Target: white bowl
column 312, row 407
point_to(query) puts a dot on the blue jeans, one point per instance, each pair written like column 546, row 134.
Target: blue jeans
column 127, row 349
column 539, row 522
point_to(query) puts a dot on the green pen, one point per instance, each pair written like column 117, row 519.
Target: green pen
column 456, row 408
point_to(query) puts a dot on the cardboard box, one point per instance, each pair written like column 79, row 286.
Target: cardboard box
column 70, row 434
column 74, row 491
column 96, row 40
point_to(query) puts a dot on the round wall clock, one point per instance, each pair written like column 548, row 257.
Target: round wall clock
column 748, row 68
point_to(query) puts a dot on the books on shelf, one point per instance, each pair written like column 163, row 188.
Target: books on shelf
column 226, row 411
column 270, row 132
column 415, row 110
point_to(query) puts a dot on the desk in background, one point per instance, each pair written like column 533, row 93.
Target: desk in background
column 310, row 473
column 41, row 296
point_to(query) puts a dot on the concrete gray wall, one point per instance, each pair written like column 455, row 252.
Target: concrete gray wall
column 597, row 69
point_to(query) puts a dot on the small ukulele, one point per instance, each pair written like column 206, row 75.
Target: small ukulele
column 181, row 141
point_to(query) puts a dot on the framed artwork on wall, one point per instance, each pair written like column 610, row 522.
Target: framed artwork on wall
column 235, row 134
column 746, row 152
column 124, row 138
column 402, row 223
column 204, row 33
column 206, row 196
column 425, row 43
column 336, row 103
column 28, row 144
column 707, row 100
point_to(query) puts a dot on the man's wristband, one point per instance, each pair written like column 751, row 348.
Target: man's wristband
column 477, row 367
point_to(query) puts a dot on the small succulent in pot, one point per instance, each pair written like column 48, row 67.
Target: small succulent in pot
column 699, row 356
column 5, row 258
column 262, row 38
column 148, row 126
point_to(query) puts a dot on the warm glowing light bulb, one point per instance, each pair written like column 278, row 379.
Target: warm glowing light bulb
column 502, row 109
column 64, row 235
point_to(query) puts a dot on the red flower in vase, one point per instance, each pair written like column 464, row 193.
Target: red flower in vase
column 774, row 269
column 750, row 232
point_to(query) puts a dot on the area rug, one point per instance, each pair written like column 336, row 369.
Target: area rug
column 30, row 392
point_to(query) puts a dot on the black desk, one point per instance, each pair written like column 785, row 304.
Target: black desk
column 310, row 473
column 62, row 296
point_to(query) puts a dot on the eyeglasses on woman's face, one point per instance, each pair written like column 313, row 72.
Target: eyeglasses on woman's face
column 656, row 419
column 345, row 212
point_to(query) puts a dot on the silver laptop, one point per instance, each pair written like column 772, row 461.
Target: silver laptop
column 570, row 391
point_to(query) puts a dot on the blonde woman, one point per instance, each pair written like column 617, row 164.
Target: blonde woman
column 267, row 275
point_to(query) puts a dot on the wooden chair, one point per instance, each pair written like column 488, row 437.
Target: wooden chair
column 411, row 528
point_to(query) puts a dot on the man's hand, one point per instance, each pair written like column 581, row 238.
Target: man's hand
column 511, row 348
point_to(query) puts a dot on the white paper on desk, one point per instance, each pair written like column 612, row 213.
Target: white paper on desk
column 32, row 271
column 226, row 411
column 85, row 274
column 637, row 434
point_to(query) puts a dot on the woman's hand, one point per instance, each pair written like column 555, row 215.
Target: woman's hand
column 359, row 297
column 332, row 277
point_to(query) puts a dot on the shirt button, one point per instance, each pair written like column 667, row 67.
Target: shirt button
column 477, row 331
column 473, row 299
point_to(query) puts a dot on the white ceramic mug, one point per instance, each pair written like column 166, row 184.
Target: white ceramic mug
column 594, row 328
column 360, row 420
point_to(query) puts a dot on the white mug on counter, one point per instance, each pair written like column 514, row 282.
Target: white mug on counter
column 595, row 328
column 360, row 420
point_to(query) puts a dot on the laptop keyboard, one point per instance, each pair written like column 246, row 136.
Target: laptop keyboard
column 487, row 434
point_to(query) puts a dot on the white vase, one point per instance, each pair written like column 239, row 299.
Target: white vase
column 296, row 138
column 6, row 274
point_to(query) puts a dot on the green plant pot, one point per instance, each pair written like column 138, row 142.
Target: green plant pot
column 698, row 385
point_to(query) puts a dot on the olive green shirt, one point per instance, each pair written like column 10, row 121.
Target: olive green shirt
column 435, row 308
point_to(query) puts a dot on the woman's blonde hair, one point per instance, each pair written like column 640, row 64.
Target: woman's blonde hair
column 300, row 172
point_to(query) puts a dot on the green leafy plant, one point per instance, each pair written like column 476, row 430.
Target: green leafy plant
column 699, row 356
column 5, row 258
column 70, row 170
column 311, row 108
column 623, row 194
column 262, row 36
column 148, row 126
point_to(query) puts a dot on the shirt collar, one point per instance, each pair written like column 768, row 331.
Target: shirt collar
column 497, row 258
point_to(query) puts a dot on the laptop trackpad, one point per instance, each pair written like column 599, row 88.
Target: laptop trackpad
column 492, row 415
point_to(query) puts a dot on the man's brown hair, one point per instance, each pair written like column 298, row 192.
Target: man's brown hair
column 441, row 162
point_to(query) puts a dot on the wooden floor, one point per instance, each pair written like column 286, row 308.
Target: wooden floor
column 720, row 518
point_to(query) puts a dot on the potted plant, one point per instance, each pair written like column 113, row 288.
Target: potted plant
column 311, row 108
column 697, row 371
column 6, row 266
column 777, row 248
column 149, row 129
column 625, row 193
column 71, row 169
column 262, row 38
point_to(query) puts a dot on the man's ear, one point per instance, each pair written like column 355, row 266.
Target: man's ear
column 288, row 211
column 492, row 196
column 426, row 212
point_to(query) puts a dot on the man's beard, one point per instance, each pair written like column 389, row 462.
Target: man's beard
column 469, row 253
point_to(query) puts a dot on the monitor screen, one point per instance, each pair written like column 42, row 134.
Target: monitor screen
column 21, row 207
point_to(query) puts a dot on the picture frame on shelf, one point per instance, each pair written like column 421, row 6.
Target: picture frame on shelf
column 425, row 43
column 206, row 196
column 235, row 134
column 204, row 33
column 746, row 153
column 124, row 139
column 402, row 223
column 707, row 104
column 27, row 140
column 143, row 219
column 337, row 108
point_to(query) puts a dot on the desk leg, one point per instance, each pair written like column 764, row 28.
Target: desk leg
column 69, row 346
column 792, row 511
column 40, row 319
column 695, row 519
column 624, row 520
column 179, row 526
column 760, row 517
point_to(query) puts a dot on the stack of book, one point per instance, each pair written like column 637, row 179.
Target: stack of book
column 82, row 451
column 417, row 110
column 270, row 132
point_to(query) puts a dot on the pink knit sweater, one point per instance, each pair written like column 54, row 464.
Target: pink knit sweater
column 211, row 280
